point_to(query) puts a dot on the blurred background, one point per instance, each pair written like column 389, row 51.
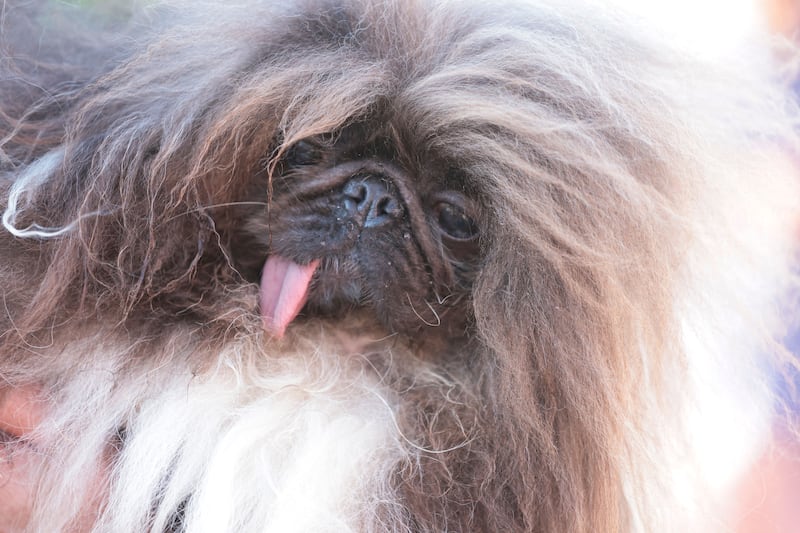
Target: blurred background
column 767, row 499
column 716, row 27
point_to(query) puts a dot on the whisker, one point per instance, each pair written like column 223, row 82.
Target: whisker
column 438, row 319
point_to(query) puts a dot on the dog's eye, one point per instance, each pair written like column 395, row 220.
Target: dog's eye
column 303, row 153
column 454, row 221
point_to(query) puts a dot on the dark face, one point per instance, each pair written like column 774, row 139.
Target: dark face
column 352, row 226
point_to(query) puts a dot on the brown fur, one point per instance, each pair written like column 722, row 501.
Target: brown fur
column 591, row 169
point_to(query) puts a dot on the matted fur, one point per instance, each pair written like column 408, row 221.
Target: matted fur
column 638, row 213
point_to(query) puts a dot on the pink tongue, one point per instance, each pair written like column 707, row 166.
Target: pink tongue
column 284, row 289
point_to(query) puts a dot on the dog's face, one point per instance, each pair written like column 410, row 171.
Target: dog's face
column 351, row 224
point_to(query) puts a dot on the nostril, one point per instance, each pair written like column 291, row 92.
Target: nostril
column 388, row 206
column 382, row 204
column 355, row 196
column 356, row 190
column 384, row 207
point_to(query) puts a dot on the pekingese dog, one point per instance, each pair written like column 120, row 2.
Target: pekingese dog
column 383, row 265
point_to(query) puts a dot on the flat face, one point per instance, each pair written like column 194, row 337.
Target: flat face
column 397, row 239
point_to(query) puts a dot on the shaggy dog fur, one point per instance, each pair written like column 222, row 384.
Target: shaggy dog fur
column 576, row 286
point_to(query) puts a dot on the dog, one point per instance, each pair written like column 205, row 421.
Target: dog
column 384, row 265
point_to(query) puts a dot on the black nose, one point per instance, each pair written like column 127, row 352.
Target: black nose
column 372, row 199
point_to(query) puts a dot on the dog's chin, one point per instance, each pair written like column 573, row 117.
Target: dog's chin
column 350, row 331
column 337, row 288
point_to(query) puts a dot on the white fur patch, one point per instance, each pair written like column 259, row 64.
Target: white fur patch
column 303, row 442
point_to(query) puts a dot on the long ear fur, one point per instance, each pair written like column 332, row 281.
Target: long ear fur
column 641, row 214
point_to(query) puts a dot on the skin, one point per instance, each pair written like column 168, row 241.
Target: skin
column 19, row 414
column 21, row 409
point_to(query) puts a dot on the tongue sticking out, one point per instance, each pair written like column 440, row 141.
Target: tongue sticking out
column 284, row 290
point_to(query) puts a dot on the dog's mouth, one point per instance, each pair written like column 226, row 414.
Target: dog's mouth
column 329, row 287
